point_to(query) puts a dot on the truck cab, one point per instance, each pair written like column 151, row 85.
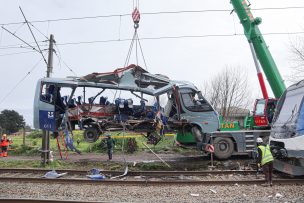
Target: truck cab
column 263, row 113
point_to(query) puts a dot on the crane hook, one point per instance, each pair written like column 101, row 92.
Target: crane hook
column 136, row 17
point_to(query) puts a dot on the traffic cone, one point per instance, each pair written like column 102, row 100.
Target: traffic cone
column 4, row 154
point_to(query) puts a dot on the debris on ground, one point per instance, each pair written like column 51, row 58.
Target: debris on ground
column 53, row 174
column 194, row 195
column 278, row 195
column 212, row 190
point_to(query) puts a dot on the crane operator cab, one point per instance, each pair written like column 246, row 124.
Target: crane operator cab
column 263, row 112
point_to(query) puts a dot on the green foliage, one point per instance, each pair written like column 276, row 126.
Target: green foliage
column 99, row 146
column 35, row 134
column 19, row 164
column 34, row 142
column 11, row 121
column 26, row 150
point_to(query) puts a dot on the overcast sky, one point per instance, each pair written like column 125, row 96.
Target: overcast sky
column 192, row 59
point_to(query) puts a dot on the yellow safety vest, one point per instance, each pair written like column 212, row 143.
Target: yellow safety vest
column 266, row 154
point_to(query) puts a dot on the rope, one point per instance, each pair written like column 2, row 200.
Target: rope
column 142, row 54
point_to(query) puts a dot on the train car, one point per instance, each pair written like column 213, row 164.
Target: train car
column 287, row 132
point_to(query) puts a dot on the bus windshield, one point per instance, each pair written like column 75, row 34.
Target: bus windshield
column 194, row 101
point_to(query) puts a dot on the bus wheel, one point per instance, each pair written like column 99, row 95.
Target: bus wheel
column 223, row 147
column 91, row 135
column 196, row 132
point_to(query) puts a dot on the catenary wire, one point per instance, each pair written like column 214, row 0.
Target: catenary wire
column 175, row 37
column 17, row 53
column 151, row 13
column 61, row 60
column 155, row 38
column 20, row 81
column 39, row 31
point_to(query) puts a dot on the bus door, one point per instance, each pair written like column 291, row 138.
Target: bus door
column 48, row 107
column 44, row 106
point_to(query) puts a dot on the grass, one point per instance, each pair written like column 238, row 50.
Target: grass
column 33, row 142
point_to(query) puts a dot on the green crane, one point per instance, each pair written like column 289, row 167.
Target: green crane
column 257, row 43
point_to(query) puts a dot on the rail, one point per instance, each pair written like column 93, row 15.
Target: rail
column 147, row 178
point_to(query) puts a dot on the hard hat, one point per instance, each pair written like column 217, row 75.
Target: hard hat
column 259, row 140
column 4, row 135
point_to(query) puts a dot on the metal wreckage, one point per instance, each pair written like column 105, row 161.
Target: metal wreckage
column 185, row 110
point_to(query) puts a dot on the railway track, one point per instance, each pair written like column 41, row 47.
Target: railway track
column 45, row 201
column 146, row 178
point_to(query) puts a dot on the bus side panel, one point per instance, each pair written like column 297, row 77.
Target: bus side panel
column 47, row 120
column 44, row 113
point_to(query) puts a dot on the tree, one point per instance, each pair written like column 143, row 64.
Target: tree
column 297, row 52
column 11, row 121
column 228, row 91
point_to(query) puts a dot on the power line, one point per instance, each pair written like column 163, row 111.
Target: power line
column 156, row 38
column 18, row 83
column 150, row 13
column 28, row 24
column 174, row 37
column 14, row 46
column 16, row 53
column 59, row 56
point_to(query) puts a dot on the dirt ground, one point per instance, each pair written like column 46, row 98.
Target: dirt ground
column 117, row 157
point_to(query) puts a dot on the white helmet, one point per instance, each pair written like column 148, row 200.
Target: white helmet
column 259, row 140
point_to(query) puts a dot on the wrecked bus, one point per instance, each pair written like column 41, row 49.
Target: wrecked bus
column 142, row 102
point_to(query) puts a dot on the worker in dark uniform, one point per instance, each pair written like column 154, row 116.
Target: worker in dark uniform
column 110, row 146
column 265, row 160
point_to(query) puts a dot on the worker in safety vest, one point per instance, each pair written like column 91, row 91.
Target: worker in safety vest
column 4, row 145
column 265, row 159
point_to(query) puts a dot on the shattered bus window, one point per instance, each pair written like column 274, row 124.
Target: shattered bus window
column 194, row 101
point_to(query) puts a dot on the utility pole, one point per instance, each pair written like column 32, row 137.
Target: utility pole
column 45, row 152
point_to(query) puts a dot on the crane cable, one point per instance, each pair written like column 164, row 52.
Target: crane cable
column 135, row 38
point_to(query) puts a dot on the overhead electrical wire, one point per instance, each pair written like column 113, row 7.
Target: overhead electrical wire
column 20, row 81
column 15, row 46
column 59, row 56
column 173, row 37
column 153, row 38
column 150, row 13
column 17, row 53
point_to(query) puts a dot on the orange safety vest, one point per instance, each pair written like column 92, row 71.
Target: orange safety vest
column 4, row 142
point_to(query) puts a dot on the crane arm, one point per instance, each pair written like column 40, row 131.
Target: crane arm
column 254, row 36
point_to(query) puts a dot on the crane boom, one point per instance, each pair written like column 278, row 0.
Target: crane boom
column 254, row 36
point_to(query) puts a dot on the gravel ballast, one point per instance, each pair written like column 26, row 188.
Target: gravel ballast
column 233, row 193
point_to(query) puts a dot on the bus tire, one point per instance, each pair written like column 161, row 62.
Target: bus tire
column 91, row 135
column 196, row 132
column 223, row 147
